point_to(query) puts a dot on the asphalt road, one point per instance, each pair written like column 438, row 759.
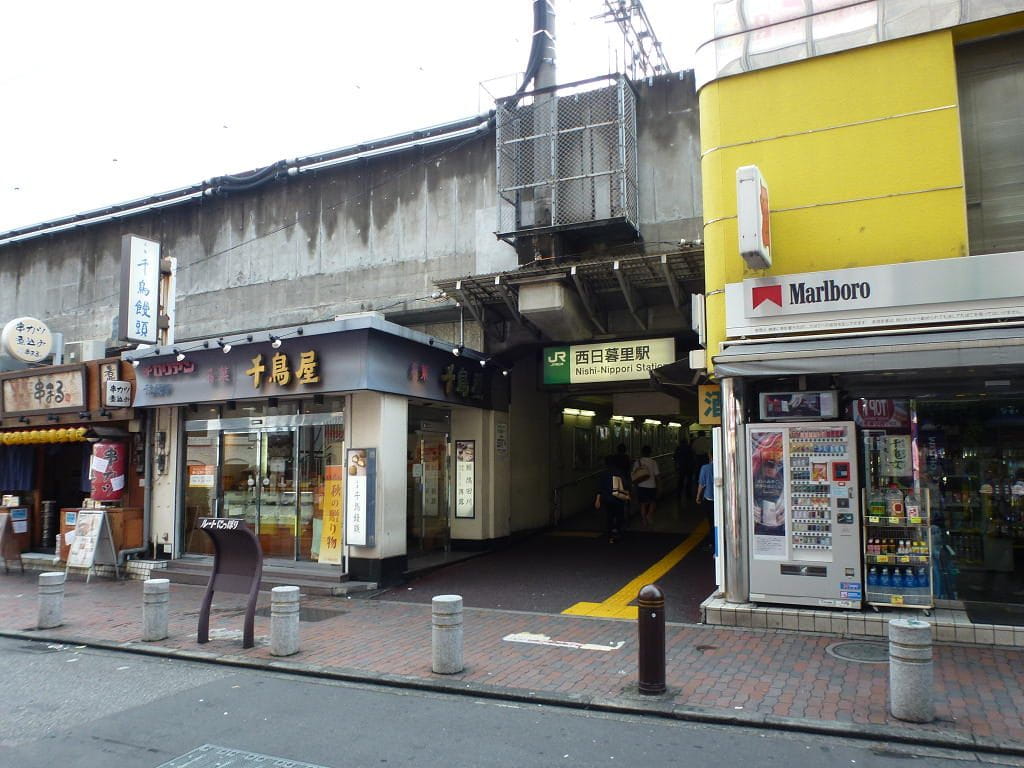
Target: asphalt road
column 75, row 707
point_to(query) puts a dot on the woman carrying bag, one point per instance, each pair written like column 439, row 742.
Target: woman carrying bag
column 612, row 497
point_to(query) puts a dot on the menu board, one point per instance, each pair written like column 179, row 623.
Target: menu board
column 91, row 541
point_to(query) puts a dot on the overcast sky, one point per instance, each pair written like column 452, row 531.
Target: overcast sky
column 108, row 101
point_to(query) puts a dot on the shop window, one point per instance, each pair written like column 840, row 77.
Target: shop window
column 991, row 85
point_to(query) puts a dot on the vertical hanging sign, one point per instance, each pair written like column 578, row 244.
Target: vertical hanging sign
column 465, row 478
column 360, row 496
column 330, row 534
column 140, row 290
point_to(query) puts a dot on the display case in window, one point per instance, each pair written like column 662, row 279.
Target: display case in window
column 897, row 535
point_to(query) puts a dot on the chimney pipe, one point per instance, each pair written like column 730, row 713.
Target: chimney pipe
column 546, row 72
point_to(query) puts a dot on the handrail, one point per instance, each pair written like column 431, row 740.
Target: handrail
column 556, row 492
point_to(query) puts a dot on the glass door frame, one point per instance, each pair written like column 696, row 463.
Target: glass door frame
column 261, row 427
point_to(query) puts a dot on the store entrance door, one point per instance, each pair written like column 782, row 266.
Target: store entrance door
column 271, row 476
column 428, row 525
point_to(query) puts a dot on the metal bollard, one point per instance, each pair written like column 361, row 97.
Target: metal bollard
column 651, row 643
column 51, row 599
column 446, row 634
column 156, row 595
column 284, row 621
column 910, row 670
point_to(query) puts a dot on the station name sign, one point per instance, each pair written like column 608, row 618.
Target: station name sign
column 910, row 293
column 608, row 361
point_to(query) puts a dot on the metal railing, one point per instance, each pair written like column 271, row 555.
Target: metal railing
column 558, row 491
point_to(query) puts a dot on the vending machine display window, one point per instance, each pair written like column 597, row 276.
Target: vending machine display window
column 804, row 514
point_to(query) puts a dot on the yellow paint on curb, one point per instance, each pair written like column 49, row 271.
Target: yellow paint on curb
column 618, row 605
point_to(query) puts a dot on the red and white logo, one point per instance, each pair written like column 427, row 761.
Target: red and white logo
column 761, row 293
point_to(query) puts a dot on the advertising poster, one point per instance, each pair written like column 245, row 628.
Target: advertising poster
column 202, row 476
column 896, row 456
column 465, row 476
column 330, row 534
column 87, row 547
column 767, row 492
column 360, row 496
column 19, row 520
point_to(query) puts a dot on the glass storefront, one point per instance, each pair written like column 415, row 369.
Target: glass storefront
column 972, row 463
column 270, row 471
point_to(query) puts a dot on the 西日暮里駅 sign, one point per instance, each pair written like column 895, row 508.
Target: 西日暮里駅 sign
column 607, row 361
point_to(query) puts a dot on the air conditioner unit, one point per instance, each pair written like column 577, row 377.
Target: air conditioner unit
column 82, row 351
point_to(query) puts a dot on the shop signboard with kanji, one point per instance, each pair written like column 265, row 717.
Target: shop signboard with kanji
column 360, row 496
column 140, row 290
column 607, row 361
column 60, row 388
column 465, row 478
column 709, row 404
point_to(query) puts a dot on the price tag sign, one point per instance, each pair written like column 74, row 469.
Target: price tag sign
column 894, row 520
column 896, row 599
column 904, row 559
column 883, row 558
column 916, row 520
column 873, row 519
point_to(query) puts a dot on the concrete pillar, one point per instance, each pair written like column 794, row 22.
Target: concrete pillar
column 284, row 621
column 446, row 635
column 910, row 670
column 156, row 595
column 51, row 599
column 734, row 511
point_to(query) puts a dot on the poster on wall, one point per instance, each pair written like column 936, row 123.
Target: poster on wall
column 360, row 496
column 767, row 494
column 465, row 477
column 896, row 456
column 433, row 461
column 330, row 532
column 19, row 520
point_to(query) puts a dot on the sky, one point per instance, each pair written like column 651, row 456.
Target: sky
column 109, row 101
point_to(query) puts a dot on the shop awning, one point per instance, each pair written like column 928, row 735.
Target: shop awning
column 885, row 351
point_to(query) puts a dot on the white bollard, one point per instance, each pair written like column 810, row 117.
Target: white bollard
column 910, row 670
column 156, row 594
column 446, row 635
column 51, row 599
column 284, row 621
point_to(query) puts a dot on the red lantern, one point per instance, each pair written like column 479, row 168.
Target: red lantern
column 107, row 470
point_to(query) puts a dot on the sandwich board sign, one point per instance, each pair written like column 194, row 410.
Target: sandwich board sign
column 9, row 549
column 93, row 543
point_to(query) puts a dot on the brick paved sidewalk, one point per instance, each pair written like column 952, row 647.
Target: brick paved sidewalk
column 775, row 678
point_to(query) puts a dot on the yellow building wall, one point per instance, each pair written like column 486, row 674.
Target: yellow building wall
column 861, row 151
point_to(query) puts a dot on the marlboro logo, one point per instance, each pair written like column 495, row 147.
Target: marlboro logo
column 761, row 294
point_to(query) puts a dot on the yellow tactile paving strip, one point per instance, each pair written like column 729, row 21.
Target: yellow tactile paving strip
column 618, row 605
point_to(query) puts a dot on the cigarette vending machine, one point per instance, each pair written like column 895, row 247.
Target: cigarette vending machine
column 804, row 545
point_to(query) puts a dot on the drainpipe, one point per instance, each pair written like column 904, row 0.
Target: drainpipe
column 734, row 450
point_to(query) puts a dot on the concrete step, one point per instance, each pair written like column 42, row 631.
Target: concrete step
column 309, row 580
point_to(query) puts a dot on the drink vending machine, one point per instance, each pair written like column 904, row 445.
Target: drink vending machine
column 804, row 530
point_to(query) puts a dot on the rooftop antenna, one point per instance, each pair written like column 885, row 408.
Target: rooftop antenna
column 642, row 49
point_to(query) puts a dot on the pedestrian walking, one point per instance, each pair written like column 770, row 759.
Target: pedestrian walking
column 686, row 468
column 612, row 497
column 645, row 483
column 706, row 494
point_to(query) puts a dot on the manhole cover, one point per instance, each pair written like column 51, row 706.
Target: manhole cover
column 861, row 652
column 212, row 756
column 307, row 614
